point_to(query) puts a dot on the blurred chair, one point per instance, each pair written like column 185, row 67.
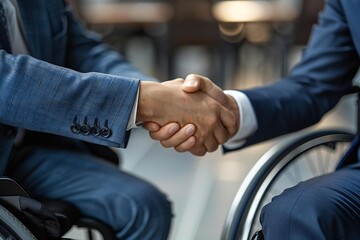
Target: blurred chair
column 193, row 26
column 271, row 26
column 120, row 21
column 266, row 25
column 171, row 26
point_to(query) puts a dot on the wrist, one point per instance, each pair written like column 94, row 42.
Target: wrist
column 144, row 111
column 234, row 108
column 149, row 101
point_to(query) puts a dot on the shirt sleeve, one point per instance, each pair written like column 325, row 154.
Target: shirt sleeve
column 132, row 120
column 248, row 121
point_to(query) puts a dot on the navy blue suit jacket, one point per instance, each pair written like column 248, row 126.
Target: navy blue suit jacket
column 316, row 84
column 67, row 73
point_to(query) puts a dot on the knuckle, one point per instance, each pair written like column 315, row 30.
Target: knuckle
column 233, row 131
column 200, row 151
column 153, row 136
column 222, row 140
column 180, row 149
column 200, row 139
column 212, row 148
column 212, row 120
column 215, row 107
column 165, row 144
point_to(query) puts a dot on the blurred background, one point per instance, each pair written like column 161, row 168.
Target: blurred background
column 237, row 44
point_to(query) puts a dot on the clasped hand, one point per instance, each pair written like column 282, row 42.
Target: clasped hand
column 190, row 115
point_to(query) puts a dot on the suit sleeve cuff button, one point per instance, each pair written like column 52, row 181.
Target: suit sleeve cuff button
column 85, row 129
column 105, row 132
column 95, row 131
column 75, row 128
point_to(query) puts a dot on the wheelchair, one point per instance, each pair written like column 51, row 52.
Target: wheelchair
column 286, row 164
column 14, row 225
column 283, row 166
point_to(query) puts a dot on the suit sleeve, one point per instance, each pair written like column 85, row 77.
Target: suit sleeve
column 314, row 86
column 96, row 84
column 39, row 96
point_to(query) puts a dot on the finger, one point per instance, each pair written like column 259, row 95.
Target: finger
column 180, row 136
column 192, row 83
column 187, row 145
column 221, row 134
column 165, row 132
column 199, row 150
column 195, row 83
column 228, row 119
column 211, row 144
column 151, row 126
column 212, row 147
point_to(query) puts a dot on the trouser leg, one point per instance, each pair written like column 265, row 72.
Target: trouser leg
column 326, row 207
column 132, row 207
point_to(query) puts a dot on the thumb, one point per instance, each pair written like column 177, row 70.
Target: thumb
column 195, row 83
column 192, row 84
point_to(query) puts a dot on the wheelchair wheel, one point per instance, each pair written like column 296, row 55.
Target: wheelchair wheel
column 283, row 166
column 11, row 228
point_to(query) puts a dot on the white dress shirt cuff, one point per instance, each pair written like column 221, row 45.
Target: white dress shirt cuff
column 248, row 121
column 132, row 120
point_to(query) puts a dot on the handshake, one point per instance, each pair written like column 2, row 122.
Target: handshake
column 190, row 115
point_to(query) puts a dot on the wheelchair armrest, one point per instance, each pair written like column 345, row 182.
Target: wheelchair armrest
column 10, row 187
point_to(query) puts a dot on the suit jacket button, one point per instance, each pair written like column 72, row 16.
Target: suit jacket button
column 105, row 132
column 95, row 131
column 75, row 128
column 85, row 129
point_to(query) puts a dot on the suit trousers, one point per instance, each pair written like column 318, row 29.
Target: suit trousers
column 325, row 207
column 132, row 207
